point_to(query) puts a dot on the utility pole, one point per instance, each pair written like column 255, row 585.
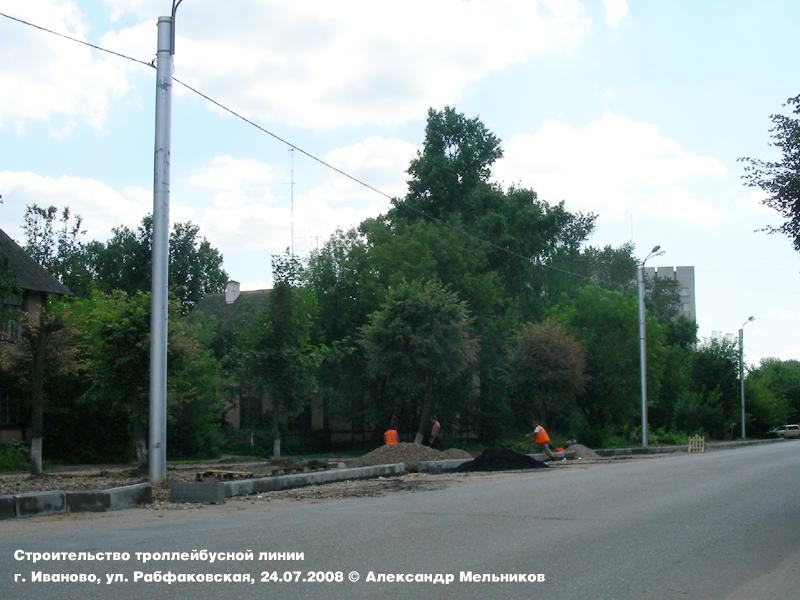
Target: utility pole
column 741, row 368
column 291, row 183
column 656, row 251
column 157, row 455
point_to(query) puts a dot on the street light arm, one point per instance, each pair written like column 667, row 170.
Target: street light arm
column 175, row 5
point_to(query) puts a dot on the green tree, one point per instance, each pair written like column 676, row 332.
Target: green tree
column 546, row 370
column 419, row 344
column 605, row 323
column 53, row 239
column 282, row 363
column 715, row 380
column 782, row 379
column 455, row 160
column 108, row 418
column 781, row 179
column 124, row 262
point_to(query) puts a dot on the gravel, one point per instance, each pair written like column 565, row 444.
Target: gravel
column 410, row 454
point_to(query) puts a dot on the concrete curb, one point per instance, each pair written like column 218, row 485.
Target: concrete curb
column 59, row 502
column 438, row 466
column 681, row 448
column 246, row 487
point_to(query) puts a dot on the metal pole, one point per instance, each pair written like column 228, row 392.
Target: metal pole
column 159, row 300
column 642, row 352
column 741, row 374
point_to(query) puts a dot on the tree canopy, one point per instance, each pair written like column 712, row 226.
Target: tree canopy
column 780, row 179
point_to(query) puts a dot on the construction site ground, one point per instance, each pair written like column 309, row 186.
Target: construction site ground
column 90, row 477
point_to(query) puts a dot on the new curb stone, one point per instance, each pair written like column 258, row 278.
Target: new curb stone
column 58, row 502
column 8, row 508
column 40, row 503
column 203, row 492
column 246, row 487
column 117, row 498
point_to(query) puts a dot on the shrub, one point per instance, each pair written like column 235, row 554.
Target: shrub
column 14, row 456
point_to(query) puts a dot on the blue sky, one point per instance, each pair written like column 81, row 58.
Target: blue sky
column 636, row 111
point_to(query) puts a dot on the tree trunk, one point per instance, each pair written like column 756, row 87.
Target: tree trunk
column 276, row 436
column 37, row 393
column 140, row 442
column 424, row 421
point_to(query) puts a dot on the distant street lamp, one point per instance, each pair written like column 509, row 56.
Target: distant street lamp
column 741, row 367
column 656, row 251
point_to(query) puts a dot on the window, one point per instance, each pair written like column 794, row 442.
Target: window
column 10, row 410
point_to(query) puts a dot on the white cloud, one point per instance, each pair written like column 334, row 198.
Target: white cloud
column 249, row 205
column 53, row 78
column 326, row 64
column 101, row 206
column 613, row 166
column 616, row 11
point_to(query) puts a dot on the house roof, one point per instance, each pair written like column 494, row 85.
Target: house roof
column 29, row 273
column 246, row 306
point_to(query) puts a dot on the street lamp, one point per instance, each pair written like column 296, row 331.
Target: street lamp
column 741, row 367
column 656, row 251
column 159, row 299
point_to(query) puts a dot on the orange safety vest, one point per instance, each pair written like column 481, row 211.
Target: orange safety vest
column 390, row 437
column 541, row 436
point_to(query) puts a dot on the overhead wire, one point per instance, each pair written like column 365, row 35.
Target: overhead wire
column 298, row 148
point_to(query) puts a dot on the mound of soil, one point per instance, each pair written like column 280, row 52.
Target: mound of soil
column 501, row 460
column 410, row 454
column 582, row 451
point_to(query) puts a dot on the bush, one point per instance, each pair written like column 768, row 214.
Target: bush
column 14, row 456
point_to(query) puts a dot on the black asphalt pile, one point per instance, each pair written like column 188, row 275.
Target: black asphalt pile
column 501, row 460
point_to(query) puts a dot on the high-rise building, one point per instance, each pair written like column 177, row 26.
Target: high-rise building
column 684, row 277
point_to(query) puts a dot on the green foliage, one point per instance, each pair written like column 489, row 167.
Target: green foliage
column 419, row 347
column 108, row 335
column 605, row 323
column 124, row 262
column 715, row 377
column 14, row 456
column 779, row 380
column 701, row 413
column 282, row 362
column 546, row 371
column 53, row 240
column 781, row 179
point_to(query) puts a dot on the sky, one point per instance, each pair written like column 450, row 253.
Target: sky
column 635, row 111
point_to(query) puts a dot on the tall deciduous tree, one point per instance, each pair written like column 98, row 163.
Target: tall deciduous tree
column 124, row 262
column 54, row 240
column 282, row 363
column 110, row 332
column 419, row 343
column 546, row 370
column 781, row 179
column 605, row 323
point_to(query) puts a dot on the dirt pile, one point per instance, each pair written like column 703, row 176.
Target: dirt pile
column 501, row 460
column 410, row 454
column 581, row 451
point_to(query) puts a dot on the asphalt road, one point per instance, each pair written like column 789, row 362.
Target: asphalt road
column 718, row 525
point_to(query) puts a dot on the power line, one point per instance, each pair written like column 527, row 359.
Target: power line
column 304, row 152
column 77, row 41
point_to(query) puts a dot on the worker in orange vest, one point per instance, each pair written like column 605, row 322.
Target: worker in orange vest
column 390, row 436
column 541, row 439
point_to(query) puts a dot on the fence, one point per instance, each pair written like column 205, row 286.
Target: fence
column 697, row 443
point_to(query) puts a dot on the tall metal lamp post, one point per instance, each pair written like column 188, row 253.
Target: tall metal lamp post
column 741, row 367
column 656, row 251
column 157, row 452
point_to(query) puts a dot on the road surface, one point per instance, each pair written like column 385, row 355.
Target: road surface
column 720, row 525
